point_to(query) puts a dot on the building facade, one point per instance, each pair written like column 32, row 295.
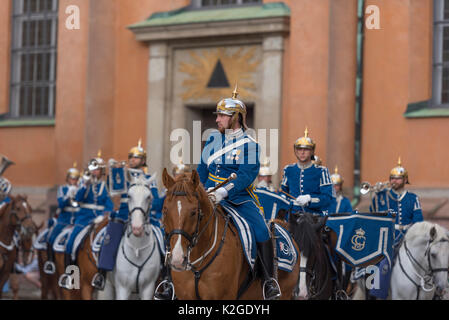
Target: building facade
column 369, row 78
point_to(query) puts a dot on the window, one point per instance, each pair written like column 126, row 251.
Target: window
column 33, row 65
column 441, row 53
column 219, row 3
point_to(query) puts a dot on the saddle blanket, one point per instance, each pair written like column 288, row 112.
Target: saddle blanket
column 40, row 243
column 363, row 237
column 287, row 255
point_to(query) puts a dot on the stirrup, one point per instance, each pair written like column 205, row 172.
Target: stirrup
column 67, row 283
column 276, row 284
column 98, row 281
column 49, row 267
column 159, row 296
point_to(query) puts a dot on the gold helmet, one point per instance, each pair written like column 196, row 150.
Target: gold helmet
column 305, row 142
column 138, row 152
column 336, row 178
column 399, row 172
column 97, row 163
column 233, row 107
column 265, row 169
column 73, row 172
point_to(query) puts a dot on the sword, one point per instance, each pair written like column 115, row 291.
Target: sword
column 233, row 176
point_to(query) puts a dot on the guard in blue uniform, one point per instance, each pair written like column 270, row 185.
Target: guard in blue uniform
column 340, row 204
column 231, row 150
column 408, row 211
column 118, row 185
column 270, row 200
column 404, row 203
column 67, row 209
column 94, row 201
column 307, row 183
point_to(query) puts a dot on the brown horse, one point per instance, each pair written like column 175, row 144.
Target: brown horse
column 50, row 288
column 208, row 261
column 14, row 216
column 87, row 264
column 25, row 256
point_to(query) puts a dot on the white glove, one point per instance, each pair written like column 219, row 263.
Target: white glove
column 303, row 200
column 72, row 191
column 218, row 195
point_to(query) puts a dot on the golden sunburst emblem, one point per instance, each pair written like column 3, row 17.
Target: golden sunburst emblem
column 213, row 72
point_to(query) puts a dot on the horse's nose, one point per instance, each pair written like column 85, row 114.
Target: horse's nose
column 137, row 231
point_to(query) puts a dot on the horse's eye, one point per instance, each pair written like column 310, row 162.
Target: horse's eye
column 192, row 213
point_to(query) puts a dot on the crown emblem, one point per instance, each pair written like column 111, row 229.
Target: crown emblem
column 360, row 232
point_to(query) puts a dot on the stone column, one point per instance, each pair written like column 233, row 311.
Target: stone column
column 157, row 107
column 268, row 110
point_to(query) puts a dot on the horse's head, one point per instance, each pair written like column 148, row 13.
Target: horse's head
column 21, row 216
column 26, row 246
column 306, row 230
column 432, row 240
column 139, row 201
column 182, row 215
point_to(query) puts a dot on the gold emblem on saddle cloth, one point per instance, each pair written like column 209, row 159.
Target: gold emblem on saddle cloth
column 358, row 240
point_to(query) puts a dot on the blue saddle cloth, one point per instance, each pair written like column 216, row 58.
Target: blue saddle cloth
column 287, row 254
column 363, row 237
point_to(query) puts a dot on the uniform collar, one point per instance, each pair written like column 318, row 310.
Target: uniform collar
column 307, row 166
column 398, row 196
column 234, row 134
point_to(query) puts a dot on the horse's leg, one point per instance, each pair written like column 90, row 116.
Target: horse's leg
column 108, row 292
column 14, row 285
column 122, row 293
column 359, row 293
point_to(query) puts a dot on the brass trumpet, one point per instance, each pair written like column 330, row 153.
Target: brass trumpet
column 366, row 187
column 4, row 164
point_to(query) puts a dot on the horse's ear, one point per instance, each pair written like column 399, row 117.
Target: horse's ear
column 195, row 179
column 320, row 224
column 167, row 180
column 433, row 233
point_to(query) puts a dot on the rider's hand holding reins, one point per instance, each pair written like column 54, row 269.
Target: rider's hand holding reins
column 218, row 195
column 303, row 200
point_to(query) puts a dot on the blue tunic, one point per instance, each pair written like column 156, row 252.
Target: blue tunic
column 235, row 153
column 94, row 201
column 313, row 180
column 406, row 206
column 340, row 204
column 66, row 213
column 272, row 202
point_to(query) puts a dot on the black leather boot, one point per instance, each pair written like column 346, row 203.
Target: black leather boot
column 270, row 287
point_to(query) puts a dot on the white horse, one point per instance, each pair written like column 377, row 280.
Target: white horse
column 138, row 261
column 421, row 266
column 422, row 263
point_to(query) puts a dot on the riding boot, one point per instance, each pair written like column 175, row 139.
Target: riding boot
column 270, row 287
column 167, row 289
column 49, row 266
column 99, row 280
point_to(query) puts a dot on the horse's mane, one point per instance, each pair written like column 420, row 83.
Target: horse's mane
column 304, row 234
column 422, row 229
column 182, row 185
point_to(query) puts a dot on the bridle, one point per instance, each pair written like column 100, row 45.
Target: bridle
column 427, row 279
column 193, row 240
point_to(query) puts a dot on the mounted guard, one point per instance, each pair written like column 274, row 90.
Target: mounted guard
column 68, row 208
column 94, row 200
column 340, row 204
column 119, row 183
column 307, row 183
column 233, row 150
